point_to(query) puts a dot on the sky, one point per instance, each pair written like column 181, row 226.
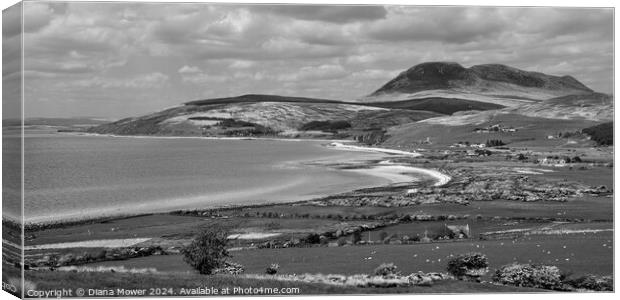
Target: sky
column 117, row 60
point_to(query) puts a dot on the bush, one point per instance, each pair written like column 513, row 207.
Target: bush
column 313, row 238
column 592, row 282
column 441, row 232
column 470, row 264
column 526, row 275
column 272, row 269
column 386, row 269
column 494, row 143
column 356, row 237
column 207, row 251
column 602, row 134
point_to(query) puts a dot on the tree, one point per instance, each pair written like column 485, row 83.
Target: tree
column 207, row 251
column 602, row 134
column 470, row 265
column 494, row 143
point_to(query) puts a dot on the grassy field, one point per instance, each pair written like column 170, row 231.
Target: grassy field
column 576, row 253
column 100, row 280
column 588, row 252
column 531, row 131
column 178, row 227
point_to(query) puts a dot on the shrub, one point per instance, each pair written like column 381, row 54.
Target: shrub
column 272, row 269
column 207, row 251
column 313, row 238
column 441, row 232
column 494, row 143
column 356, row 237
column 602, row 134
column 386, row 269
column 470, row 264
column 526, row 275
column 592, row 282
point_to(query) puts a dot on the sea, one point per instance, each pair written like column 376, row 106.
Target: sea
column 73, row 177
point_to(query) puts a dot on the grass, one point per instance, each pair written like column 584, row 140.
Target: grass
column 585, row 254
column 531, row 131
column 440, row 105
column 97, row 280
column 576, row 253
column 476, row 227
column 183, row 227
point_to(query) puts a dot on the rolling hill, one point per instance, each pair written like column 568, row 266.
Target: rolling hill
column 591, row 106
column 524, row 130
column 439, row 102
column 492, row 83
column 532, row 123
column 258, row 115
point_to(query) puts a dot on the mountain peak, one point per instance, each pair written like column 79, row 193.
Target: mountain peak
column 487, row 79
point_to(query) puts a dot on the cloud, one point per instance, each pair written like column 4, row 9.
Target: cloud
column 326, row 13
column 322, row 72
column 196, row 76
column 242, row 64
column 36, row 16
column 446, row 24
column 140, row 81
column 123, row 53
column 189, row 70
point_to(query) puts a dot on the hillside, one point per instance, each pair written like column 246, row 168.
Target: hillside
column 493, row 83
column 446, row 106
column 255, row 98
column 591, row 106
column 256, row 115
column 518, row 130
column 437, row 101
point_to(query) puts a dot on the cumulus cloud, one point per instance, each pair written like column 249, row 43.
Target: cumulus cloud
column 326, row 13
column 169, row 53
column 189, row 69
column 140, row 81
column 322, row 72
column 37, row 16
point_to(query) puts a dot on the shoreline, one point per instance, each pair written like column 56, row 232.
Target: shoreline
column 228, row 138
column 398, row 172
column 392, row 172
column 341, row 146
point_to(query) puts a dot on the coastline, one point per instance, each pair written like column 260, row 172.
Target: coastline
column 228, row 138
column 341, row 146
column 388, row 171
